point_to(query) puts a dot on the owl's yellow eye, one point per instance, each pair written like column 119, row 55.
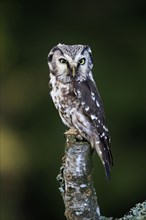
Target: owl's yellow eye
column 82, row 61
column 62, row 60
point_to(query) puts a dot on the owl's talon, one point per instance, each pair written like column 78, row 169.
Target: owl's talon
column 74, row 131
column 71, row 131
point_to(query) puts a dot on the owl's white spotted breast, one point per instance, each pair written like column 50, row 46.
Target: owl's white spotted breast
column 64, row 99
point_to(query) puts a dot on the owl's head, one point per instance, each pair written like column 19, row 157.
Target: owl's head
column 68, row 62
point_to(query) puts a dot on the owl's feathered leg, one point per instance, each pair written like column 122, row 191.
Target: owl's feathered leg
column 74, row 131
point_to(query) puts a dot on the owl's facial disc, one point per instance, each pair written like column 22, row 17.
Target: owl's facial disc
column 72, row 65
column 67, row 67
column 68, row 64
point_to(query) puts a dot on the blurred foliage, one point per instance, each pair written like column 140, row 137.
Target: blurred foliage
column 32, row 141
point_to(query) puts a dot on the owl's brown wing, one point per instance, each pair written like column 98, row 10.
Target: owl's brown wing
column 89, row 97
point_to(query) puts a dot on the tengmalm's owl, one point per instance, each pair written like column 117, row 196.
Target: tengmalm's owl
column 77, row 99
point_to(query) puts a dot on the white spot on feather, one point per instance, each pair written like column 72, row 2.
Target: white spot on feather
column 105, row 128
column 93, row 117
column 103, row 134
column 87, row 108
column 79, row 93
column 83, row 103
column 78, row 213
column 97, row 103
column 93, row 96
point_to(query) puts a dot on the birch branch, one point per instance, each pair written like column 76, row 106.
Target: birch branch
column 76, row 185
column 76, row 181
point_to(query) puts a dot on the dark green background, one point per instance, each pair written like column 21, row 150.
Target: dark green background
column 32, row 142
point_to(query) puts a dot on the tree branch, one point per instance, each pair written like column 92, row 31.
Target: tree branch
column 76, row 181
column 76, row 185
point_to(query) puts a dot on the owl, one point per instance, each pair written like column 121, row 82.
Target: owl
column 76, row 97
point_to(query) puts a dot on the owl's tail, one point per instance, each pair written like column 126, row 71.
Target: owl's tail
column 103, row 150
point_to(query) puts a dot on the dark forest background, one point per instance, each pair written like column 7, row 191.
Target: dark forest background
column 32, row 134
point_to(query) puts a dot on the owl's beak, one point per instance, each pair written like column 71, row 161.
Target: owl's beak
column 73, row 71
